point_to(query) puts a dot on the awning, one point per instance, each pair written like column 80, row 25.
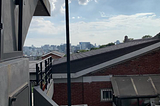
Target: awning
column 136, row 86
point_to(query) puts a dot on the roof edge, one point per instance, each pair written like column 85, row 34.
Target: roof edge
column 112, row 62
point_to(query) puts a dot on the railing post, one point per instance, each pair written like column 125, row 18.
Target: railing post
column 46, row 74
column 41, row 75
column 51, row 67
column 37, row 75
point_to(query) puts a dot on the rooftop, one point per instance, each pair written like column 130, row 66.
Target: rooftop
column 97, row 59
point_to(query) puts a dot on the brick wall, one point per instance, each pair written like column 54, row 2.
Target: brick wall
column 60, row 93
column 82, row 93
column 89, row 93
column 145, row 64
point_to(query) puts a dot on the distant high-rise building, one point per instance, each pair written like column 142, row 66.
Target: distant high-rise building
column 85, row 45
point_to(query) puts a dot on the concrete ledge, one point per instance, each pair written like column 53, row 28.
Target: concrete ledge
column 50, row 89
column 41, row 99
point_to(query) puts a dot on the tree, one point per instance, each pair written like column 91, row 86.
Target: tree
column 146, row 36
column 109, row 44
column 102, row 46
column 130, row 39
column 80, row 51
column 94, row 48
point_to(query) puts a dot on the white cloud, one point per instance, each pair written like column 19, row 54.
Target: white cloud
column 62, row 8
column 42, row 26
column 96, row 1
column 52, row 2
column 73, row 17
column 57, row 7
column 103, row 14
column 100, row 31
column 83, row 2
column 79, row 17
column 116, row 27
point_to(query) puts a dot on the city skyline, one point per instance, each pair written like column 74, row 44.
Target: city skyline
column 96, row 21
column 39, row 51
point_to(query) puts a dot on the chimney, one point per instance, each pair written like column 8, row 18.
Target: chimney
column 126, row 39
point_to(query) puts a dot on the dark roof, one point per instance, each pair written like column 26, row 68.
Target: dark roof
column 32, row 65
column 55, row 53
column 77, row 56
column 81, row 61
column 136, row 86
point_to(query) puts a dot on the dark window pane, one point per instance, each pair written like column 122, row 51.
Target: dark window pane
column 105, row 94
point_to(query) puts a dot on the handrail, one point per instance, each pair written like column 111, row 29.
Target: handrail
column 43, row 77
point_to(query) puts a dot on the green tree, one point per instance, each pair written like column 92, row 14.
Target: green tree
column 109, row 44
column 102, row 46
column 131, row 39
column 146, row 36
column 94, row 48
column 82, row 51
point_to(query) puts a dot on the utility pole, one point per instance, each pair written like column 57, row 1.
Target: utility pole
column 68, row 53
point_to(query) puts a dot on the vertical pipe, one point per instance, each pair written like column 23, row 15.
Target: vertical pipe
column 20, row 25
column 68, row 53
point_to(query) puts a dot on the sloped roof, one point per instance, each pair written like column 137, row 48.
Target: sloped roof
column 83, row 63
column 82, row 55
column 136, row 86
column 55, row 53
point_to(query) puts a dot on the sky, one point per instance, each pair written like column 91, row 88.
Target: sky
column 95, row 21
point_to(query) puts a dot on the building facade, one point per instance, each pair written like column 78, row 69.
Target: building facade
column 93, row 86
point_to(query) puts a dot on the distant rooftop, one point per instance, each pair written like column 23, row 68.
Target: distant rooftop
column 55, row 53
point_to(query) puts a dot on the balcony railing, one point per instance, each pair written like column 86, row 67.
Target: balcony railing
column 44, row 72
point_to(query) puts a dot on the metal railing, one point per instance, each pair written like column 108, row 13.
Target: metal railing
column 44, row 72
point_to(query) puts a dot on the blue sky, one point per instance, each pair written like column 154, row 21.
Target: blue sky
column 96, row 21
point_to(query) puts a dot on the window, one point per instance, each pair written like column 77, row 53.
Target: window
column 106, row 94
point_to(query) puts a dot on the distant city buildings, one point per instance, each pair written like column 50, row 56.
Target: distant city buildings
column 35, row 53
column 85, row 45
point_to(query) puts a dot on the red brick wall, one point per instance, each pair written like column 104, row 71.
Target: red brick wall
column 89, row 93
column 60, row 93
column 92, row 93
column 146, row 64
column 82, row 93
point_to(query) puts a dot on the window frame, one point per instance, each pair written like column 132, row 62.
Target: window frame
column 106, row 99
